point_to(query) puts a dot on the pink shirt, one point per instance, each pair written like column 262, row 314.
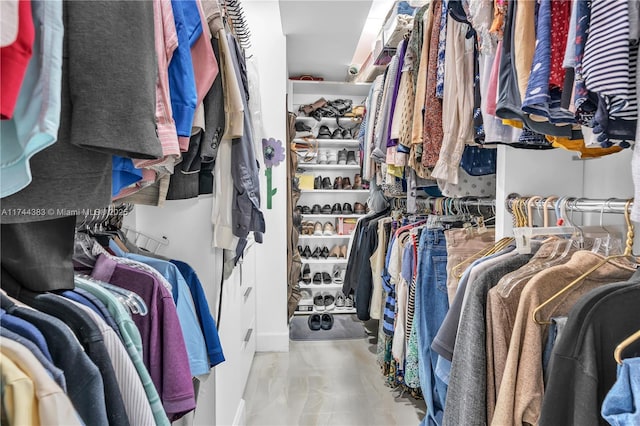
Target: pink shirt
column 166, row 42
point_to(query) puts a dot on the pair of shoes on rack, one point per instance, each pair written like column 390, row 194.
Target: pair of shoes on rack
column 322, row 183
column 322, row 278
column 327, row 229
column 317, row 322
column 324, row 302
column 342, row 183
column 316, row 209
column 338, row 251
column 360, row 208
column 307, row 228
column 347, row 157
column 317, row 253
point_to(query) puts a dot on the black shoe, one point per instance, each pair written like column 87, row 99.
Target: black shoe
column 346, row 134
column 351, row 158
column 318, row 303
column 314, row 322
column 316, row 253
column 317, row 278
column 298, row 209
column 329, row 302
column 324, row 253
column 326, row 209
column 337, row 134
column 317, row 182
column 315, row 209
column 306, row 210
column 324, row 132
column 336, row 209
column 326, row 183
column 306, row 274
column 346, row 209
column 326, row 321
column 301, row 127
column 306, row 253
column 326, row 278
column 300, row 250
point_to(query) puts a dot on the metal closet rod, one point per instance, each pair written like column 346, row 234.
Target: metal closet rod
column 455, row 202
column 584, row 205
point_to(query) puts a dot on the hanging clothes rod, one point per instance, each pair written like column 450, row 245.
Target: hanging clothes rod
column 581, row 205
column 455, row 203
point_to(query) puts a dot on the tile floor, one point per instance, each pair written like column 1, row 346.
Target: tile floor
column 335, row 383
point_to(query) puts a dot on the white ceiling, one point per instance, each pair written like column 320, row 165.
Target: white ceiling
column 322, row 35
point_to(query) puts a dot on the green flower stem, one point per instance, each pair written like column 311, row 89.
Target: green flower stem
column 270, row 190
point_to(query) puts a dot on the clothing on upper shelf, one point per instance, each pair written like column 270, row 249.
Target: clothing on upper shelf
column 189, row 87
column 508, row 82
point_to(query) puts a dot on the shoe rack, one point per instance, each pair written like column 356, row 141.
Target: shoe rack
column 303, row 93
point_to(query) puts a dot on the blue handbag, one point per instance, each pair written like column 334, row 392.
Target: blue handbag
column 479, row 161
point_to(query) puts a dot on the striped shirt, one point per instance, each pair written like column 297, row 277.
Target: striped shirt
column 133, row 395
column 605, row 63
column 133, row 345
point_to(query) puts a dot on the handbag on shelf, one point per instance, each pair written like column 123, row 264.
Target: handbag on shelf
column 479, row 161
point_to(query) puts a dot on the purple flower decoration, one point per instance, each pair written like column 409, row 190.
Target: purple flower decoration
column 273, row 152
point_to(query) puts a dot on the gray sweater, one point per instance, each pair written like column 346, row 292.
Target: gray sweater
column 466, row 396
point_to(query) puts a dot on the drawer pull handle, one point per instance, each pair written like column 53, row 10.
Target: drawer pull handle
column 247, row 336
column 247, row 292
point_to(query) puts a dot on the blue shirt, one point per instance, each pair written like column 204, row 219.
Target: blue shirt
column 193, row 338
column 26, row 330
column 208, row 324
column 54, row 372
column 182, row 80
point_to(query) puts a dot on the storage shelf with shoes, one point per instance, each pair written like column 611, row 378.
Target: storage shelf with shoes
column 333, row 194
column 335, row 191
column 329, row 261
column 326, row 287
column 329, row 143
column 313, row 166
column 334, row 311
column 334, row 216
column 320, row 237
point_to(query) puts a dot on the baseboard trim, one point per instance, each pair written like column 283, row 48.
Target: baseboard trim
column 272, row 342
column 240, row 418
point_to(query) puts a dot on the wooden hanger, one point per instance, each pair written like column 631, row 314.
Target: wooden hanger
column 628, row 254
column 617, row 353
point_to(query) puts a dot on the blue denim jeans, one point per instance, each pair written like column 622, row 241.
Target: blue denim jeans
column 620, row 406
column 431, row 307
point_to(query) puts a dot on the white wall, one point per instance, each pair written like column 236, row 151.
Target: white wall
column 562, row 173
column 269, row 50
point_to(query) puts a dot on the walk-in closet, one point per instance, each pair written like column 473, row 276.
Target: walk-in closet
column 308, row 212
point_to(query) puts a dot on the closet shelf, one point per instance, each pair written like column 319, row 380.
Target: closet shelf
column 321, row 287
column 334, row 191
column 333, row 311
column 325, row 237
column 329, row 142
column 331, row 216
column 307, row 166
column 329, row 121
column 327, row 261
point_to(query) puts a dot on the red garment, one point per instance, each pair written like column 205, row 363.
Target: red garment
column 14, row 60
column 560, row 16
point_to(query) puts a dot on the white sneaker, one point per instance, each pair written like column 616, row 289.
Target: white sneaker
column 322, row 157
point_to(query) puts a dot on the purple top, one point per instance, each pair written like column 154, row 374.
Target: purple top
column 163, row 348
column 396, row 85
